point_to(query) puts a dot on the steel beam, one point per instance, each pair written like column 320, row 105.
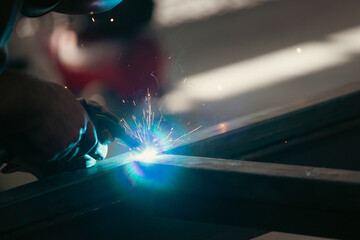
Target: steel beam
column 297, row 199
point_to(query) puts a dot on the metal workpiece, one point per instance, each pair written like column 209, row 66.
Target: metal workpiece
column 297, row 199
column 324, row 134
column 288, row 198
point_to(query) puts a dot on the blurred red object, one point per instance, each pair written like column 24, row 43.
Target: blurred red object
column 127, row 68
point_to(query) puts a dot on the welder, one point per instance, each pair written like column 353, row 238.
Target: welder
column 44, row 129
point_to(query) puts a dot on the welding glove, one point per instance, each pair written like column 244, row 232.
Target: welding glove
column 45, row 130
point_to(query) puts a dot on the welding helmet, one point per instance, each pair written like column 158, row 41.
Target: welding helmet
column 35, row 8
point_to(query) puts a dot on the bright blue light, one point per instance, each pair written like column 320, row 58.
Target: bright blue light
column 147, row 155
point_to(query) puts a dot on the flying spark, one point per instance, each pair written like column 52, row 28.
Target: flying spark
column 153, row 134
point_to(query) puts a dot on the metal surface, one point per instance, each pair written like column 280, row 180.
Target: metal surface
column 322, row 135
column 306, row 200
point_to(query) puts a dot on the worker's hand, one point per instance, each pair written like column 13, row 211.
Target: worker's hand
column 45, row 130
column 106, row 123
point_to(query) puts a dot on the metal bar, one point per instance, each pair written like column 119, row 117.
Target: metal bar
column 262, row 130
column 304, row 200
column 315, row 136
column 297, row 199
column 48, row 200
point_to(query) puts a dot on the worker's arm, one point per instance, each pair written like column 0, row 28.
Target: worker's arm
column 45, row 130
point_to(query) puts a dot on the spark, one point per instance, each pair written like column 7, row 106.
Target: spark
column 153, row 134
column 111, row 19
column 159, row 122
column 93, row 19
column 222, row 127
column 187, row 133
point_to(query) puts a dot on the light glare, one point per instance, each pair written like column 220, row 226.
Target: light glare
column 148, row 155
column 267, row 70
